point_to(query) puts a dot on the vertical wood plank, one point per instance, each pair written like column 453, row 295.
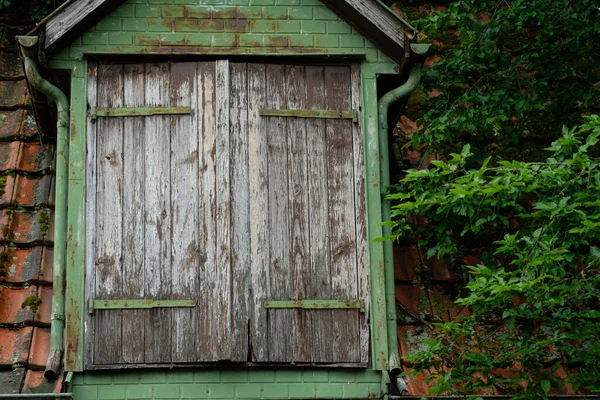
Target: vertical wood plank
column 318, row 204
column 109, row 214
column 207, row 214
column 362, row 264
column 90, row 214
column 222, row 302
column 342, row 229
column 280, row 345
column 259, row 216
column 240, row 212
column 301, row 329
column 133, row 214
column 157, row 235
column 184, row 209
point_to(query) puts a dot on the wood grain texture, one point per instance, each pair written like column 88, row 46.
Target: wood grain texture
column 227, row 208
column 157, row 213
column 280, row 321
column 133, row 214
column 259, row 217
column 342, row 230
column 184, row 212
column 208, row 210
column 362, row 255
column 90, row 214
column 68, row 18
column 240, row 212
column 320, row 260
column 301, row 329
column 222, row 300
column 109, row 212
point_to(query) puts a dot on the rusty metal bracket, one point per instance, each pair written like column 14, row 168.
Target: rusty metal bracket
column 96, row 112
column 141, row 303
column 316, row 304
column 305, row 113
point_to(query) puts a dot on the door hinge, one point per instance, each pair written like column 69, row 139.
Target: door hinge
column 96, row 112
column 137, row 303
column 305, row 113
column 316, row 304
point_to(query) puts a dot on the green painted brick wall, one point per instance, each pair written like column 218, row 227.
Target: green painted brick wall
column 227, row 384
column 261, row 27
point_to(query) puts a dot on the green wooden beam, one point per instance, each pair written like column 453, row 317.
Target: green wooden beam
column 305, row 113
column 138, row 111
column 316, row 304
column 142, row 303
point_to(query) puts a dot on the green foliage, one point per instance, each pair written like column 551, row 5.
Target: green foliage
column 511, row 74
column 31, row 10
column 534, row 294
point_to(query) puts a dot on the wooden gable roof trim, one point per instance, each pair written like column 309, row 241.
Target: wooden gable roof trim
column 371, row 18
column 375, row 21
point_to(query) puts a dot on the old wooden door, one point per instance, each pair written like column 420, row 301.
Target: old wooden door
column 202, row 202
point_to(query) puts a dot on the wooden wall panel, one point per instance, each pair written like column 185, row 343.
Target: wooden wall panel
column 228, row 208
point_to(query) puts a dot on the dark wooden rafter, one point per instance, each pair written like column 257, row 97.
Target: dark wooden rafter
column 369, row 17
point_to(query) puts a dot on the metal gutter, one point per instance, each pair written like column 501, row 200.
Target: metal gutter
column 417, row 57
column 28, row 47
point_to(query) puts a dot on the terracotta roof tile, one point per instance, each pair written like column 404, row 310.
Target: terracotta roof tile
column 47, row 267
column 14, row 345
column 10, row 124
column 38, row 354
column 6, row 190
column 35, row 383
column 414, row 303
column 10, row 381
column 28, row 128
column 31, row 226
column 11, row 66
column 406, row 263
column 12, row 311
column 44, row 313
column 35, row 157
column 9, row 152
column 12, row 94
column 26, row 231
column 23, row 265
column 33, row 191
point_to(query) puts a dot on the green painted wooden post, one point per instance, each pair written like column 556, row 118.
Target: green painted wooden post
column 75, row 306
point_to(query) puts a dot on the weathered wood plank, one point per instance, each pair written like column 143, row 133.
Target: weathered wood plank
column 109, row 214
column 318, row 204
column 133, row 214
column 295, row 84
column 208, row 209
column 222, row 299
column 184, row 210
column 259, row 217
column 280, row 345
column 157, row 215
column 362, row 265
column 240, row 212
column 90, row 215
column 68, row 18
column 342, row 229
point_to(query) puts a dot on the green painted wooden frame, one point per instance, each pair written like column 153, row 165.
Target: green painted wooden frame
column 375, row 164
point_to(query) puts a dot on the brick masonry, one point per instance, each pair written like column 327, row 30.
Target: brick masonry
column 225, row 27
column 229, row 384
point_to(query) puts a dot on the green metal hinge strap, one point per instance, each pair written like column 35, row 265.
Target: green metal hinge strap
column 138, row 111
column 305, row 113
column 131, row 304
column 316, row 304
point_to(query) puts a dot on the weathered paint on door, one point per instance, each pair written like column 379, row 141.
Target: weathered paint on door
column 227, row 208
